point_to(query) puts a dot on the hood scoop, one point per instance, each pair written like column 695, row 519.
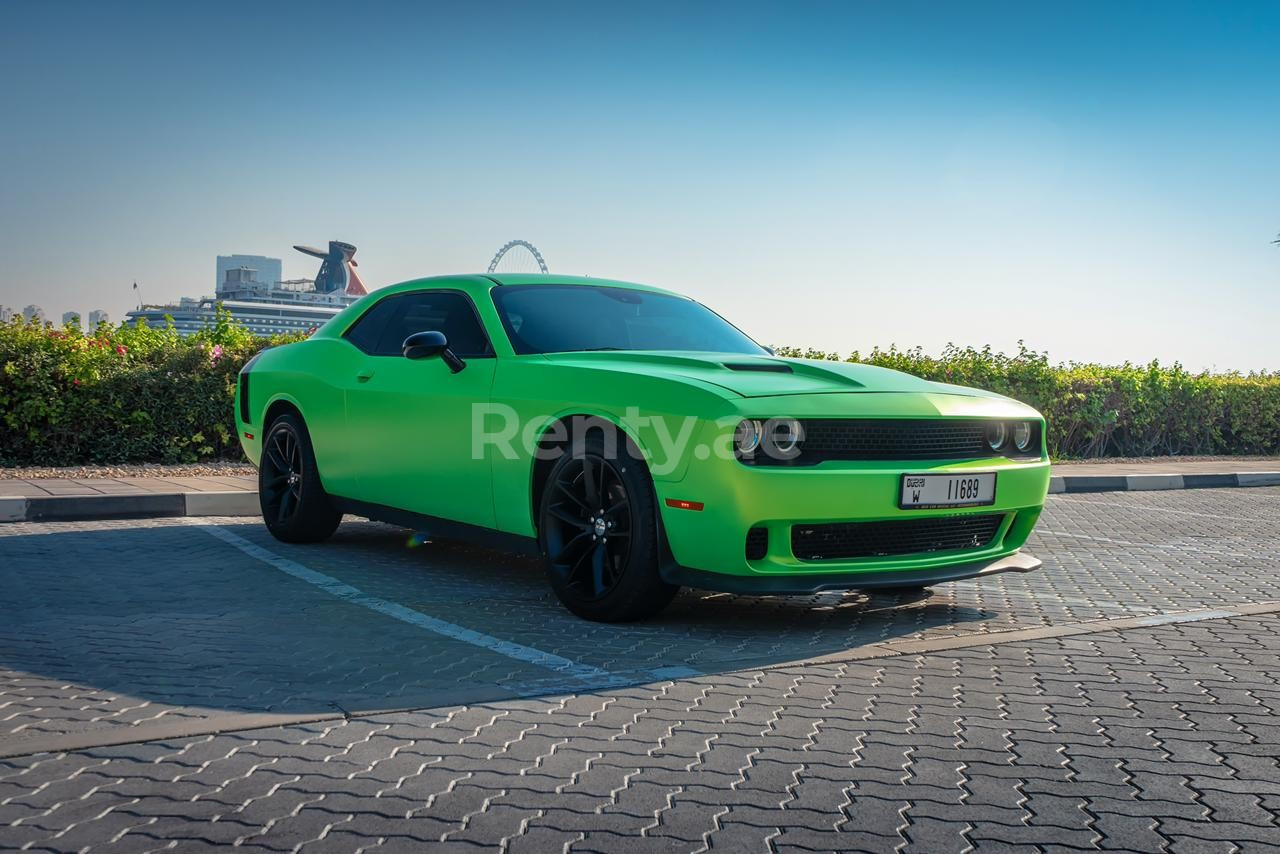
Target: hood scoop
column 760, row 367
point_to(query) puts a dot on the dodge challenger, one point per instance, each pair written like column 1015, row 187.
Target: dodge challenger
column 636, row 442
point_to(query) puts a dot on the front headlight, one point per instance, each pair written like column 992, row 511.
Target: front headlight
column 782, row 437
column 1022, row 435
column 997, row 435
column 746, row 437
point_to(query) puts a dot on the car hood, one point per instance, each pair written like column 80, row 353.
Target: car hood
column 761, row 376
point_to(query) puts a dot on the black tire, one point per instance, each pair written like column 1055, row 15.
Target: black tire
column 295, row 507
column 602, row 565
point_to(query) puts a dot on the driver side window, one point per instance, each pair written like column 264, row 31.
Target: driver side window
column 382, row 330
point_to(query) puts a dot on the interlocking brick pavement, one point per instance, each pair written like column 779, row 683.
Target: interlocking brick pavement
column 1151, row 740
column 1160, row 738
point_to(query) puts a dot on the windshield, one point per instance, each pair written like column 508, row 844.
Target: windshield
column 568, row 318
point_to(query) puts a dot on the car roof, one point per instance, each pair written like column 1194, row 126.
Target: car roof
column 556, row 279
column 486, row 281
column 474, row 284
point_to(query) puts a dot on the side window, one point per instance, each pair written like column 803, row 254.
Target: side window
column 366, row 331
column 438, row 311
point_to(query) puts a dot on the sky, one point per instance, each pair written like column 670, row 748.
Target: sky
column 1101, row 181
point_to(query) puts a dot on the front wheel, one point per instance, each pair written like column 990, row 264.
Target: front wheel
column 294, row 504
column 598, row 528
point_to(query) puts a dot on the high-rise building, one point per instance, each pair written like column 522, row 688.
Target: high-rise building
column 97, row 316
column 33, row 314
column 71, row 317
column 6, row 314
column 269, row 270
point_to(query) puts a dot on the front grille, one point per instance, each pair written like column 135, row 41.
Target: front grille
column 894, row 439
column 897, row 537
column 757, row 543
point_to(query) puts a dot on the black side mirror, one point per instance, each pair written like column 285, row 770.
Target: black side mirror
column 424, row 345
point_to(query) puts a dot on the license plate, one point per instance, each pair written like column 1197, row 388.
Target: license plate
column 927, row 491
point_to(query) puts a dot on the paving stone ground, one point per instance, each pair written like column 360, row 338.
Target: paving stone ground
column 449, row 702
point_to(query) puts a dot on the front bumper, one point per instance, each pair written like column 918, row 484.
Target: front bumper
column 806, row 583
column 707, row 547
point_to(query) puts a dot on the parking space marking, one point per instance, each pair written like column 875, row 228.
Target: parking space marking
column 594, row 676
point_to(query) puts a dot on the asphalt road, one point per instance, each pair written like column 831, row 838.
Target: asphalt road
column 180, row 683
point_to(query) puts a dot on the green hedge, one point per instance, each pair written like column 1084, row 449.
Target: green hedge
column 118, row 395
column 1110, row 411
column 143, row 394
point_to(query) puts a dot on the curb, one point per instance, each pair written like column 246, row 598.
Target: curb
column 82, row 508
column 1148, row 482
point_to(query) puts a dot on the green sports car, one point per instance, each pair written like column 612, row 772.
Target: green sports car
column 637, row 442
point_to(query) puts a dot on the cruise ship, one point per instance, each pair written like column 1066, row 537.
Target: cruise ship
column 271, row 308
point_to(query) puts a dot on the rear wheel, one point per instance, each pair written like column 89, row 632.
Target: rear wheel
column 294, row 504
column 599, row 531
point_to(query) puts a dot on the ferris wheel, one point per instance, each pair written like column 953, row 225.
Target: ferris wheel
column 518, row 261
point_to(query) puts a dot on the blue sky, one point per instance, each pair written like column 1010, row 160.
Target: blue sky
column 1101, row 180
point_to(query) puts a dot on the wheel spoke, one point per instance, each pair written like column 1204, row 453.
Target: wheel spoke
column 569, row 494
column 286, row 502
column 568, row 518
column 569, row 546
column 281, row 443
column 273, row 454
column 589, row 482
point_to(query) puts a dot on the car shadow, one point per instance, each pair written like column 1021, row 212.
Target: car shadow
column 132, row 615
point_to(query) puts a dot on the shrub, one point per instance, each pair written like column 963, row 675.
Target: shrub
column 144, row 394
column 1099, row 410
column 123, row 394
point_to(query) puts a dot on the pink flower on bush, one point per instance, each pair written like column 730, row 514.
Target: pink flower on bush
column 216, row 354
column 121, row 349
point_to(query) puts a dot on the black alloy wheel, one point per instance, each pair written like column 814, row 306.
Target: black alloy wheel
column 281, row 474
column 294, row 505
column 598, row 529
column 589, row 526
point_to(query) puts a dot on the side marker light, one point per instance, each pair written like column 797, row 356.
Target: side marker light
column 681, row 504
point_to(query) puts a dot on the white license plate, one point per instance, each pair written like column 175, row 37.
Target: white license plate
column 926, row 491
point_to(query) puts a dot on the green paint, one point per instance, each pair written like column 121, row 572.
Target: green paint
column 395, row 431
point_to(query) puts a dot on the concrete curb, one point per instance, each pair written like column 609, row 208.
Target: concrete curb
column 73, row 508
column 1147, row 482
column 81, row 508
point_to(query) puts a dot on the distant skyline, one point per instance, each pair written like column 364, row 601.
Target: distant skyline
column 1098, row 179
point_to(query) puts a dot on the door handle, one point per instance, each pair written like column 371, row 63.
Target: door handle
column 364, row 376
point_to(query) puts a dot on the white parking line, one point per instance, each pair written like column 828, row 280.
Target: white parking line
column 564, row 666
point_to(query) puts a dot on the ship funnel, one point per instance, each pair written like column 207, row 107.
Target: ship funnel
column 337, row 269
